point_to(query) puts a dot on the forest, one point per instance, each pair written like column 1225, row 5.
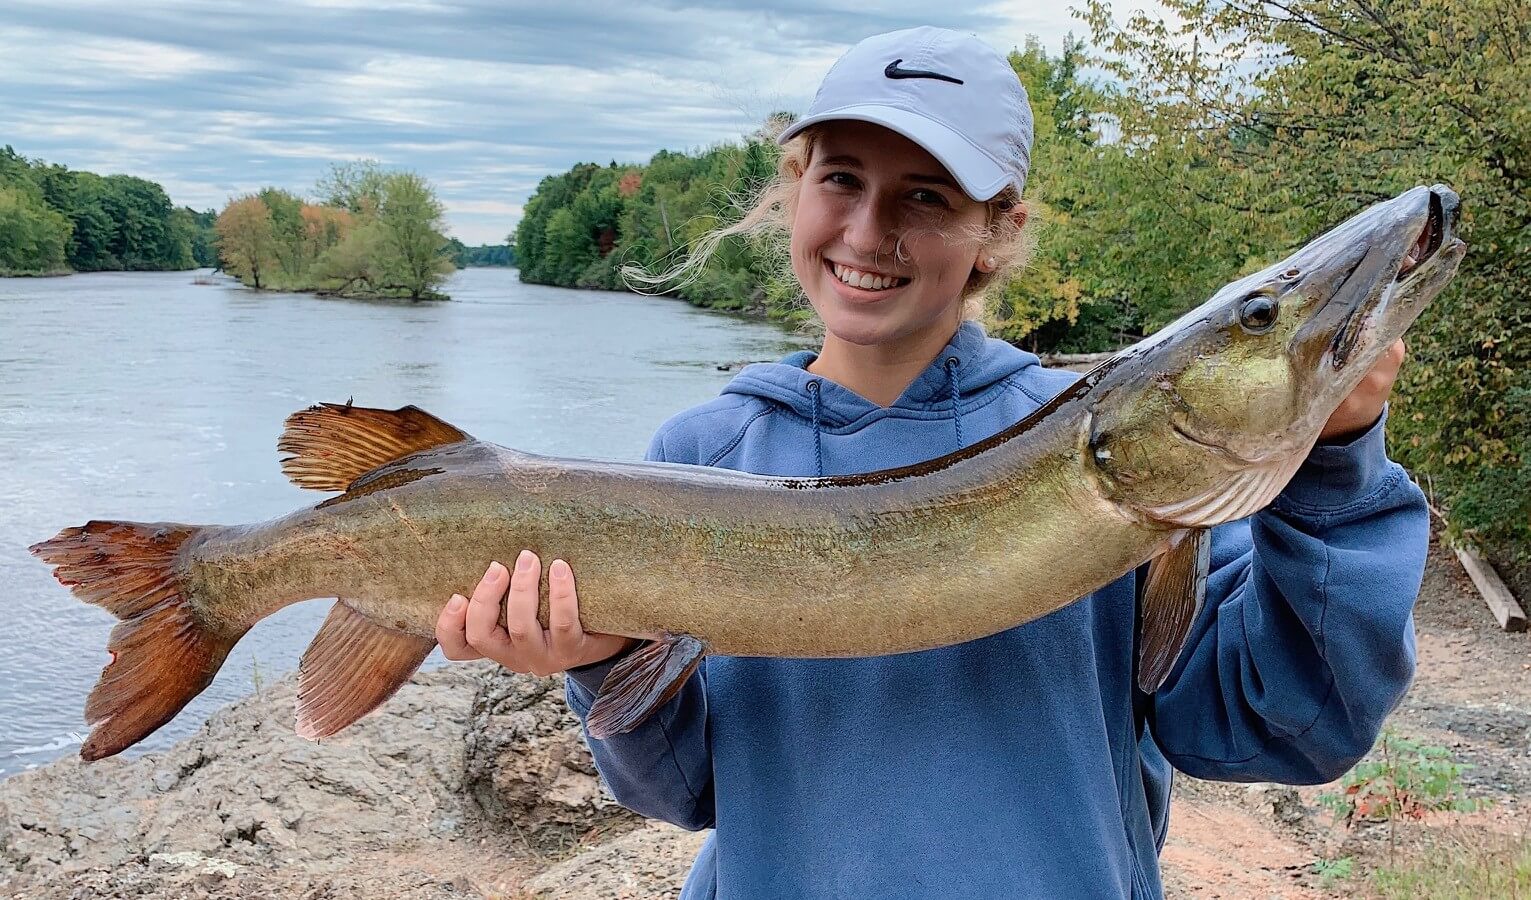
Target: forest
column 1216, row 142
column 55, row 220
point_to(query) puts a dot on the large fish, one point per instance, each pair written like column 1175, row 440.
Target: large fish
column 1201, row 424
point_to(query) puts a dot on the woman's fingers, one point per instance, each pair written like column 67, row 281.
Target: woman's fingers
column 451, row 630
column 565, row 636
column 483, row 616
column 470, row 628
column 525, row 632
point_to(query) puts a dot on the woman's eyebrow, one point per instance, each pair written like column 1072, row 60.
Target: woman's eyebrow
column 845, row 159
column 933, row 179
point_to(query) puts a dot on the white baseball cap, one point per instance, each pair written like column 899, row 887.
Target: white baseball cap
column 949, row 92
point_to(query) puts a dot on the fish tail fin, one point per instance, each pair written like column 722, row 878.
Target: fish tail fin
column 163, row 654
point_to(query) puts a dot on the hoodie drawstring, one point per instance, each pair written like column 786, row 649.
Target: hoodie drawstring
column 952, row 363
column 818, row 443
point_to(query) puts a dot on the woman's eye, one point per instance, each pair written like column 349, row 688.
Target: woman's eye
column 844, row 179
column 933, row 198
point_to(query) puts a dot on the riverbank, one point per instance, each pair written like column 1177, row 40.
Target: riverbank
column 473, row 782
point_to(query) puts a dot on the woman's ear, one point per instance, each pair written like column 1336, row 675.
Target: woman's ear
column 986, row 261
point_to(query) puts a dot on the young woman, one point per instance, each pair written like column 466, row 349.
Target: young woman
column 1024, row 764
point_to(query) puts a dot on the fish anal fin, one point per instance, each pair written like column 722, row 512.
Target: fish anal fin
column 353, row 666
column 333, row 444
column 1173, row 592
column 642, row 682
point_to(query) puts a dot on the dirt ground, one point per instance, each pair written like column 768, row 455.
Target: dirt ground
column 1471, row 695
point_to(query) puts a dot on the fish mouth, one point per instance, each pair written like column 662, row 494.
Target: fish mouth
column 1366, row 316
column 1430, row 238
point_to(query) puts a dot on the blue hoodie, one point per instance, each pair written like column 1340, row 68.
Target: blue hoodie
column 1024, row 764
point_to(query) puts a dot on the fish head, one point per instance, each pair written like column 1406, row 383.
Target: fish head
column 1208, row 419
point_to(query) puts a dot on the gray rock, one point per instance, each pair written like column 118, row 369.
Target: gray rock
column 469, row 776
column 527, row 763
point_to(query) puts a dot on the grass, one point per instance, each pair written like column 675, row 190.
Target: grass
column 1465, row 869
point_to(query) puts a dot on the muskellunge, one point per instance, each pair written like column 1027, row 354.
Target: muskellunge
column 1200, row 424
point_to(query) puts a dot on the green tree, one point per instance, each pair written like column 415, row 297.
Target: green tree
column 409, row 223
column 289, row 238
column 33, row 238
column 356, row 186
column 1349, row 102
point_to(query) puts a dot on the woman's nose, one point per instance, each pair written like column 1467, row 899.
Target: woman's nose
column 869, row 227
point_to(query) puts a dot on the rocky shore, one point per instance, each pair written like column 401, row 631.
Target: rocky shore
column 472, row 782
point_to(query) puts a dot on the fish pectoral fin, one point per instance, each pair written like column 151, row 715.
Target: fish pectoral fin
column 352, row 666
column 1173, row 593
column 333, row 444
column 642, row 682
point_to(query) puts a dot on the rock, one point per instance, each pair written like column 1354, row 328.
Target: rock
column 468, row 776
column 246, row 787
column 649, row 863
column 1279, row 800
column 527, row 763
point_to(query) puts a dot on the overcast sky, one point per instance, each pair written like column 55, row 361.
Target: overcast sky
column 215, row 99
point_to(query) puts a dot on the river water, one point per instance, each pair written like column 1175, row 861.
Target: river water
column 144, row 396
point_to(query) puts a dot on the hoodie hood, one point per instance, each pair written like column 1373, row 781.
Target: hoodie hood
column 968, row 366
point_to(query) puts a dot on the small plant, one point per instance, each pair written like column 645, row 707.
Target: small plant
column 1333, row 871
column 1409, row 780
column 255, row 673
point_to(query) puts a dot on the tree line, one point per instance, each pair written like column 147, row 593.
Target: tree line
column 1223, row 140
column 371, row 233
column 55, row 220
column 484, row 255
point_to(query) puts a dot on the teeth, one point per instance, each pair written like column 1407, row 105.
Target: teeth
column 864, row 280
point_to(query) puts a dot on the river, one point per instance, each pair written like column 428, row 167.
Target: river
column 145, row 396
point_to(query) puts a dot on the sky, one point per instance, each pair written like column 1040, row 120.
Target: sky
column 216, row 99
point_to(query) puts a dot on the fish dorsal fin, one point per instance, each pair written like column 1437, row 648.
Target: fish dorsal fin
column 353, row 665
column 333, row 444
column 642, row 682
column 1173, row 593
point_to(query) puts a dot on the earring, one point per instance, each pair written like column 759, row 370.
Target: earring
column 990, row 262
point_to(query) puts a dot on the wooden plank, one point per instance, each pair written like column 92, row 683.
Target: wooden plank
column 1495, row 593
column 1074, row 359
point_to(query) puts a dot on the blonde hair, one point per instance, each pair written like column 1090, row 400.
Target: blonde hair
column 767, row 223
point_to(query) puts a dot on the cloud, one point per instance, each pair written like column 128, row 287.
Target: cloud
column 483, row 97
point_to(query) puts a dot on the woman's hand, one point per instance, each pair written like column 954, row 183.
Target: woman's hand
column 470, row 628
column 1360, row 410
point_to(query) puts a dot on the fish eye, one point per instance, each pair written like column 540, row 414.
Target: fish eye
column 1258, row 313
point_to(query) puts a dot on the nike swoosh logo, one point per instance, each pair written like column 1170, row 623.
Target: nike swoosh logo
column 893, row 71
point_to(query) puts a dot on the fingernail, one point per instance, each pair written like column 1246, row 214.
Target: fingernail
column 497, row 565
column 559, row 568
column 456, row 602
column 524, row 561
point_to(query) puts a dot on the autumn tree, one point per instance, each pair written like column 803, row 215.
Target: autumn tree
column 245, row 239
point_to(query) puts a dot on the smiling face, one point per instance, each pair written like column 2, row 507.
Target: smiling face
column 883, row 239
